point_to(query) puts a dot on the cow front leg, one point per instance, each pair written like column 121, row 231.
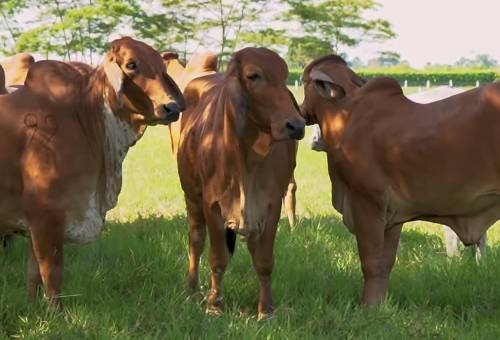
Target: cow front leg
column 377, row 250
column 290, row 202
column 197, row 236
column 262, row 251
column 218, row 258
column 34, row 278
column 47, row 236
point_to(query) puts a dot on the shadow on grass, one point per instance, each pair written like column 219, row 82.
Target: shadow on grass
column 135, row 273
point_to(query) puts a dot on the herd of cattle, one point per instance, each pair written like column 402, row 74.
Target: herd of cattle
column 66, row 128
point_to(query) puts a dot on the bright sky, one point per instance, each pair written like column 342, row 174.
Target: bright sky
column 438, row 31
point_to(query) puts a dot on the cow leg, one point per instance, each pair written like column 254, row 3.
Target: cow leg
column 7, row 240
column 261, row 249
column 47, row 236
column 219, row 258
column 197, row 235
column 480, row 250
column 290, row 202
column 377, row 249
column 451, row 241
column 34, row 278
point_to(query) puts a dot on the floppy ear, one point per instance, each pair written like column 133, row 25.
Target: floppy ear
column 233, row 96
column 325, row 86
column 114, row 74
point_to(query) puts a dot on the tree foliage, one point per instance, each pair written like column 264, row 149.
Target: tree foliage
column 336, row 23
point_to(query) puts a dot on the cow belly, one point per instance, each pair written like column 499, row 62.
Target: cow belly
column 84, row 225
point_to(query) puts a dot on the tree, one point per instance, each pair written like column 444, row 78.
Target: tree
column 74, row 29
column 230, row 20
column 172, row 27
column 9, row 27
column 480, row 60
column 336, row 23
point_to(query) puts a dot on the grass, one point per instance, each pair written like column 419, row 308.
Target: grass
column 130, row 283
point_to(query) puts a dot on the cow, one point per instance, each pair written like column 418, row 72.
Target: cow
column 199, row 65
column 451, row 239
column 392, row 160
column 63, row 138
column 16, row 68
column 236, row 157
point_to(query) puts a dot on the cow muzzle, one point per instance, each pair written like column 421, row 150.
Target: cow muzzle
column 295, row 128
column 167, row 113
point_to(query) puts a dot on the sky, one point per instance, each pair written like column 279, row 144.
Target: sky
column 437, row 31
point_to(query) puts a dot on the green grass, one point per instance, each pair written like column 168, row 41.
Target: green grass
column 130, row 283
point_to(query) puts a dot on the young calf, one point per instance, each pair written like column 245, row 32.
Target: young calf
column 63, row 138
column 235, row 161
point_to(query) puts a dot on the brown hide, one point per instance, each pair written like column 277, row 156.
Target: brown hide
column 392, row 160
column 201, row 64
column 233, row 172
column 63, row 138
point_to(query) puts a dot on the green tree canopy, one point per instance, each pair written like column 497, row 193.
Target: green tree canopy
column 329, row 25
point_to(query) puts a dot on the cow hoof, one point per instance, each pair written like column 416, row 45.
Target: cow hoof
column 215, row 305
column 214, row 310
column 264, row 316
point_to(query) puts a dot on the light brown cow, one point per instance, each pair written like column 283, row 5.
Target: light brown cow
column 233, row 168
column 63, row 138
column 16, row 68
column 392, row 160
column 201, row 64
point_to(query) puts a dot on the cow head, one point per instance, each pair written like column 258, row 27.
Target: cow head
column 256, row 79
column 327, row 82
column 140, row 84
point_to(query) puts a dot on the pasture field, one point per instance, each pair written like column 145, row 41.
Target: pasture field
column 130, row 283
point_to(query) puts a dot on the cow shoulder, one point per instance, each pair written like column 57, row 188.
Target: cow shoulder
column 490, row 96
column 58, row 82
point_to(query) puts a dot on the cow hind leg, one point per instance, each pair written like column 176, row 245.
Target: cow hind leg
column 262, row 252
column 47, row 236
column 290, row 202
column 197, row 236
column 219, row 258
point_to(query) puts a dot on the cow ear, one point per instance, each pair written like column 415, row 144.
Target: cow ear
column 234, row 95
column 114, row 74
column 325, row 86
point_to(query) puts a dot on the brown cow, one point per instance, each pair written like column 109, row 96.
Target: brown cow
column 16, row 68
column 392, row 160
column 202, row 64
column 232, row 168
column 63, row 138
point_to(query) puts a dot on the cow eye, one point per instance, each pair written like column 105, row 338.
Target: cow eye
column 253, row 76
column 131, row 65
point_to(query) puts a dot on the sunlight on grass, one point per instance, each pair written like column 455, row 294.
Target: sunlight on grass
column 130, row 283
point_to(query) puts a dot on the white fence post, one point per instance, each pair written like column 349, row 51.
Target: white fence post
column 406, row 84
column 296, row 84
column 428, row 84
column 451, row 83
column 477, row 83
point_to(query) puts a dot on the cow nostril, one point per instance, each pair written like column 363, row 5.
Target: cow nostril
column 290, row 126
column 171, row 108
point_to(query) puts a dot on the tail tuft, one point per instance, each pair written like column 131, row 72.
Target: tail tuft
column 230, row 240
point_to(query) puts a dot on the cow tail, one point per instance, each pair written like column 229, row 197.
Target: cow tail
column 230, row 240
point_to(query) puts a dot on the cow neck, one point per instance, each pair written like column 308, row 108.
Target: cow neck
column 249, row 145
column 111, row 135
